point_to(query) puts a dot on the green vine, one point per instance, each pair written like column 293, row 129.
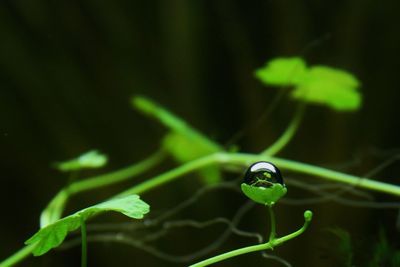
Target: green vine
column 319, row 85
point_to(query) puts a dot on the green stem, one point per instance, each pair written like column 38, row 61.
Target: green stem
column 54, row 209
column 285, row 138
column 116, row 176
column 307, row 220
column 84, row 243
column 56, row 206
column 233, row 253
column 247, row 159
column 272, row 233
column 18, row 256
column 323, row 173
column 174, row 173
column 226, row 159
column 269, row 245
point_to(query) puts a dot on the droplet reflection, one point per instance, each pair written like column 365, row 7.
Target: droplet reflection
column 263, row 174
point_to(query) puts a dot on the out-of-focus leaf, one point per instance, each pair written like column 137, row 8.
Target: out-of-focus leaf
column 183, row 142
column 344, row 246
column 384, row 253
column 334, row 88
column 185, row 148
column 54, row 234
column 320, row 85
column 88, row 160
column 282, row 71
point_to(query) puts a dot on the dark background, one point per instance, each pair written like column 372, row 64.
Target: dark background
column 69, row 68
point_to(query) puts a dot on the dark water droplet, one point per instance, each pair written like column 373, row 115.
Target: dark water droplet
column 263, row 174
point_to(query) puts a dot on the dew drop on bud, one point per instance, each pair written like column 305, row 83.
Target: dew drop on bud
column 263, row 174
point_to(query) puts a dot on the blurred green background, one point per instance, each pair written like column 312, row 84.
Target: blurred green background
column 69, row 68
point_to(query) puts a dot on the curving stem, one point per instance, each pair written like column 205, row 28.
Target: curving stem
column 269, row 245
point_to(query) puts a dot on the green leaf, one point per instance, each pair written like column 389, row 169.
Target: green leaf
column 172, row 121
column 334, row 88
column 344, row 246
column 282, row 71
column 54, row 234
column 185, row 148
column 91, row 159
column 264, row 195
column 183, row 142
column 320, row 85
column 384, row 253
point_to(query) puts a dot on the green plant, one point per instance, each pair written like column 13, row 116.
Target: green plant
column 344, row 246
column 319, row 85
column 263, row 184
column 379, row 252
column 384, row 253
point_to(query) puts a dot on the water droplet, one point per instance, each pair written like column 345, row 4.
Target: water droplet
column 263, row 174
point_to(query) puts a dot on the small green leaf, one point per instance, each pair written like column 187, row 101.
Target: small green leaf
column 334, row 88
column 54, row 234
column 264, row 195
column 91, row 159
column 282, row 71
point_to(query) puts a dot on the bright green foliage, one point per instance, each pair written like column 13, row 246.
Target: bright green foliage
column 264, row 195
column 183, row 142
column 328, row 86
column 53, row 235
column 322, row 85
column 88, row 160
column 185, row 148
column 282, row 71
